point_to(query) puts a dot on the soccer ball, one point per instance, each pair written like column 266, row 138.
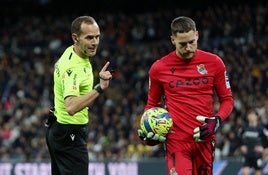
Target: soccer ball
column 156, row 120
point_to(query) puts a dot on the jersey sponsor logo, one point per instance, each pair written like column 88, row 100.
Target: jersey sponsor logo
column 201, row 69
column 188, row 82
column 251, row 134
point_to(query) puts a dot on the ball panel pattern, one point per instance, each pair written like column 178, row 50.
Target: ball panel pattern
column 156, row 120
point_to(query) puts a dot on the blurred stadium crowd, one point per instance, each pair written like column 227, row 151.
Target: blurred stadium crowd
column 30, row 45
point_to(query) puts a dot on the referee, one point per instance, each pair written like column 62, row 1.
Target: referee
column 73, row 93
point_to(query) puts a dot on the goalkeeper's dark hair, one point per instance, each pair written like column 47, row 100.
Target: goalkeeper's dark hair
column 182, row 24
column 76, row 24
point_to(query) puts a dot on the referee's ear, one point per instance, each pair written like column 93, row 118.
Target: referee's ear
column 75, row 38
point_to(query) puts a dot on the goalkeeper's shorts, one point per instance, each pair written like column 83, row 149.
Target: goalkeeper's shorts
column 189, row 158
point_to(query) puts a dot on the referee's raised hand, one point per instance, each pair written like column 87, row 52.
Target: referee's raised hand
column 105, row 76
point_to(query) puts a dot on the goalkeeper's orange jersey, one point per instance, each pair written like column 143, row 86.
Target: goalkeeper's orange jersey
column 188, row 88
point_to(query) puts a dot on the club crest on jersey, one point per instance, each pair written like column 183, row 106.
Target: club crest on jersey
column 201, row 69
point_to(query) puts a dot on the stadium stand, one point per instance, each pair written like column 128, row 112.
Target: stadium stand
column 30, row 43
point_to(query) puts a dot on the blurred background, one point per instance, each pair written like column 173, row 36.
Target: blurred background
column 34, row 33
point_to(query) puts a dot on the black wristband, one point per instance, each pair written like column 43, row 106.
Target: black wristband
column 98, row 89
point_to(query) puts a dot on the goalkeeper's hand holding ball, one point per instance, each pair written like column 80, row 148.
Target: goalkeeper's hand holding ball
column 209, row 128
column 151, row 138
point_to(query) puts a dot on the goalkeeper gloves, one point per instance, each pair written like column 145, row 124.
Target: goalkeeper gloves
column 151, row 138
column 209, row 127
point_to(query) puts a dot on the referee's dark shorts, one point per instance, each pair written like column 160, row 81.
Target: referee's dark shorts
column 67, row 146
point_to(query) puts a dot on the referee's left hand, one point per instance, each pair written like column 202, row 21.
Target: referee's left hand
column 105, row 76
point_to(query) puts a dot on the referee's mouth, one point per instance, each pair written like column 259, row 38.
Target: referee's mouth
column 91, row 50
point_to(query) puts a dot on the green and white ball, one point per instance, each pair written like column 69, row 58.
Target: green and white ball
column 156, row 120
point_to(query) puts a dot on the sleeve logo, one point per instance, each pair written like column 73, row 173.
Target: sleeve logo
column 227, row 82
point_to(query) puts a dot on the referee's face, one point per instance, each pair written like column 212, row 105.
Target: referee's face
column 87, row 43
column 185, row 44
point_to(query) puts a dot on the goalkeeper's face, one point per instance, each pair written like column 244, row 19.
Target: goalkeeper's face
column 185, row 44
column 87, row 42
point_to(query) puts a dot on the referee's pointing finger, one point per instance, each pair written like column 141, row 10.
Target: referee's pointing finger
column 104, row 68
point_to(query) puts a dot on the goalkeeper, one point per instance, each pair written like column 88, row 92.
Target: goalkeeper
column 187, row 79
